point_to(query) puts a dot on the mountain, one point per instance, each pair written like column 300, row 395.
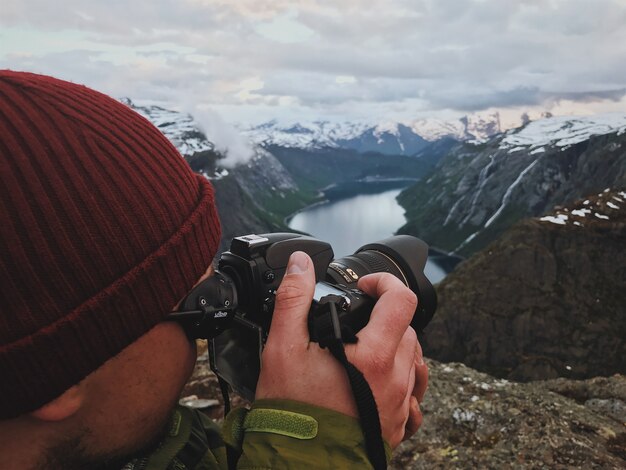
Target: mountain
column 179, row 128
column 255, row 196
column 474, row 127
column 545, row 300
column 388, row 138
column 317, row 169
column 477, row 191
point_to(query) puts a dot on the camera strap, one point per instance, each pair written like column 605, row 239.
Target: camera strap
column 329, row 334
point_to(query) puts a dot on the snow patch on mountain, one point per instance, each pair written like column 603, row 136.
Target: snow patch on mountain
column 317, row 134
column 562, row 131
column 509, row 191
column 435, row 129
column 607, row 205
column 198, row 131
column 388, row 127
column 179, row 128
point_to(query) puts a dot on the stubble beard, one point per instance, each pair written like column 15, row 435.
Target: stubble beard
column 71, row 453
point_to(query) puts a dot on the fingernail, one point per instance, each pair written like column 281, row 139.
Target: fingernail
column 298, row 263
column 420, row 355
column 420, row 360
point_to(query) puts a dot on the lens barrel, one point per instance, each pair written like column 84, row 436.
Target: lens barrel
column 401, row 255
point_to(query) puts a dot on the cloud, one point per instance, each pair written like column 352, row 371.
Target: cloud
column 519, row 97
column 320, row 57
column 226, row 138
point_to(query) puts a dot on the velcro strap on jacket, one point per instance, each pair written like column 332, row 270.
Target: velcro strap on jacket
column 284, row 423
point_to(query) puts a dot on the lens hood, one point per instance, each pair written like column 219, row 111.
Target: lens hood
column 410, row 255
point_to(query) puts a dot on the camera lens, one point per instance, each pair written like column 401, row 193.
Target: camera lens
column 404, row 257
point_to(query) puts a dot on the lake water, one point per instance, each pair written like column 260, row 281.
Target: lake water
column 347, row 224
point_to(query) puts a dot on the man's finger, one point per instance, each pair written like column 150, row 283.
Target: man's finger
column 415, row 419
column 392, row 313
column 405, row 354
column 421, row 375
column 293, row 301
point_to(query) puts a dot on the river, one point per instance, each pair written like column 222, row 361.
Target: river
column 365, row 217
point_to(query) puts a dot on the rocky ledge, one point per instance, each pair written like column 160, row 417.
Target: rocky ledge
column 473, row 420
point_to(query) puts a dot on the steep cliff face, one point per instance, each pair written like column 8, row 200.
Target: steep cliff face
column 255, row 197
column 545, row 300
column 478, row 191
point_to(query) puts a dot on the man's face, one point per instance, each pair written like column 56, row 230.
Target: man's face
column 128, row 400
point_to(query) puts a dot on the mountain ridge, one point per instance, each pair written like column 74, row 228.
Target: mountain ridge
column 477, row 191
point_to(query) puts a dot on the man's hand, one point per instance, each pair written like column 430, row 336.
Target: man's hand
column 387, row 353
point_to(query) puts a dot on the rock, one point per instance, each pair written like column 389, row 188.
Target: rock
column 193, row 401
column 546, row 300
column 203, row 385
column 473, row 420
column 513, row 425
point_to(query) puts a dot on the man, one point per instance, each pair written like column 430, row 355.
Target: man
column 104, row 230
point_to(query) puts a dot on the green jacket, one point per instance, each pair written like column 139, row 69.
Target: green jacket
column 273, row 434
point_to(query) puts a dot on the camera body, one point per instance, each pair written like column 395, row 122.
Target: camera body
column 238, row 300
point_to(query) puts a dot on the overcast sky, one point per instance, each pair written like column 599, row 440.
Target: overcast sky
column 253, row 60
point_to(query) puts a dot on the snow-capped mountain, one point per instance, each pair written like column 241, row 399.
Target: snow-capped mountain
column 476, row 127
column 476, row 192
column 388, row 137
column 309, row 135
column 562, row 131
column 243, row 192
column 179, row 128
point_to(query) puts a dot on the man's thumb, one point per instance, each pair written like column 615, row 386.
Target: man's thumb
column 293, row 299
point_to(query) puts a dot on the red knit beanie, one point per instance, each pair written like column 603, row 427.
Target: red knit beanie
column 103, row 229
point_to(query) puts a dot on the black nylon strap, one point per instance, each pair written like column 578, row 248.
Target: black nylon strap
column 332, row 336
column 231, row 455
column 225, row 394
column 365, row 403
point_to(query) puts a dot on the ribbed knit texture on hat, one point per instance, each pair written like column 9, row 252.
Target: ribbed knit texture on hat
column 104, row 228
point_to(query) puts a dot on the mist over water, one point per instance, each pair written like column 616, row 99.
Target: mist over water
column 347, row 224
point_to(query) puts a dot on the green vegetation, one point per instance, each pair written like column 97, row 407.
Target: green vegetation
column 314, row 170
column 278, row 206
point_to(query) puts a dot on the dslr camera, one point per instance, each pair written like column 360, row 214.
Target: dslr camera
column 233, row 309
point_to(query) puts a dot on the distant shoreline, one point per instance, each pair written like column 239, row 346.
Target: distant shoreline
column 333, row 192
column 287, row 219
column 444, row 259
